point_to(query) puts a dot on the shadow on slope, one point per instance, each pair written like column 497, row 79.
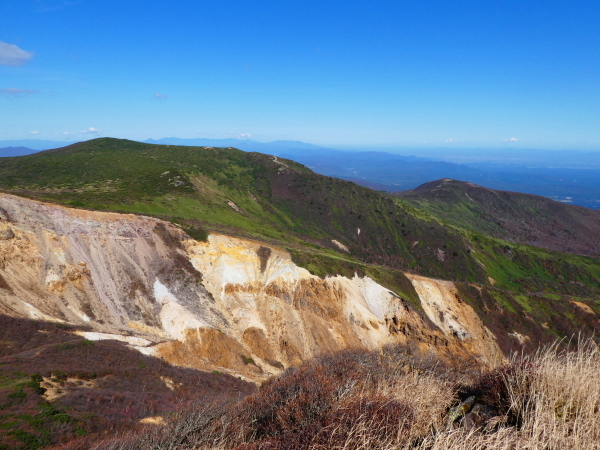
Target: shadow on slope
column 55, row 385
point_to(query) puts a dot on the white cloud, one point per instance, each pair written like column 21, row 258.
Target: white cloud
column 225, row 135
column 447, row 141
column 64, row 133
column 91, row 130
column 14, row 92
column 11, row 55
column 34, row 132
column 511, row 140
column 160, row 96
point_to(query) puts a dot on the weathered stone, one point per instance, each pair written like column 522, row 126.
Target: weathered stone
column 460, row 411
column 6, row 233
column 479, row 416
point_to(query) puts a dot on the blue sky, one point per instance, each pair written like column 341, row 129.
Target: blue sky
column 403, row 73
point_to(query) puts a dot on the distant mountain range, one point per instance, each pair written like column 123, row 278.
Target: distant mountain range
column 503, row 158
column 16, row 151
column 395, row 173
column 566, row 176
column 28, row 146
column 33, row 144
column 242, row 144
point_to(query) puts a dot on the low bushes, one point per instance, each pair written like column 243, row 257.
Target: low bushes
column 393, row 400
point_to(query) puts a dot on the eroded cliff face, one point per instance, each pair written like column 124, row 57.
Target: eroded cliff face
column 444, row 307
column 227, row 304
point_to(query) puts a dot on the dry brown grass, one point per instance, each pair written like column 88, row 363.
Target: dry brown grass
column 358, row 400
column 553, row 394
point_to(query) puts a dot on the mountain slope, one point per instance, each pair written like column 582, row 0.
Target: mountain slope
column 524, row 218
column 524, row 295
column 243, row 307
column 394, row 173
column 249, row 194
column 263, row 197
column 229, row 304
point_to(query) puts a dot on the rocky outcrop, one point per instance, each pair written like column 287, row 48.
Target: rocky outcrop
column 226, row 304
column 444, row 307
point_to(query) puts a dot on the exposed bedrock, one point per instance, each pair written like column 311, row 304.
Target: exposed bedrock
column 226, row 304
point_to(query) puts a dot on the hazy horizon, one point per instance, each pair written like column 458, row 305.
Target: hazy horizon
column 431, row 74
column 393, row 149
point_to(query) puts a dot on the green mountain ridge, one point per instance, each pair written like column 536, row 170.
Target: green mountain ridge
column 513, row 216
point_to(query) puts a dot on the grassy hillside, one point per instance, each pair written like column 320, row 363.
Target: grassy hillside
column 523, row 218
column 281, row 202
column 247, row 194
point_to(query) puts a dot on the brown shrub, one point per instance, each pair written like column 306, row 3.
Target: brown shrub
column 371, row 422
column 359, row 400
column 352, row 400
column 102, row 386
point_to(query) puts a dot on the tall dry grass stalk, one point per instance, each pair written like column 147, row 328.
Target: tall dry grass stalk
column 555, row 396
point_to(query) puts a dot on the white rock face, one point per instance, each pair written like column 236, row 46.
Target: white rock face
column 220, row 303
column 174, row 318
column 442, row 304
column 135, row 341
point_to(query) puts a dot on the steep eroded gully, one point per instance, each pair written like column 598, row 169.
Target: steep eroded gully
column 227, row 304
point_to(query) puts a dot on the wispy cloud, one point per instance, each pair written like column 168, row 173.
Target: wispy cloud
column 11, row 55
column 513, row 139
column 91, row 130
column 14, row 92
column 34, row 132
column 64, row 133
column 235, row 135
column 447, row 141
column 158, row 96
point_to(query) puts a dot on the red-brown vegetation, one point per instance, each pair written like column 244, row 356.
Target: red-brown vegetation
column 398, row 400
column 96, row 387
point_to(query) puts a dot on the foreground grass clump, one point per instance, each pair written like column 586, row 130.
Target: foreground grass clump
column 550, row 400
column 395, row 400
